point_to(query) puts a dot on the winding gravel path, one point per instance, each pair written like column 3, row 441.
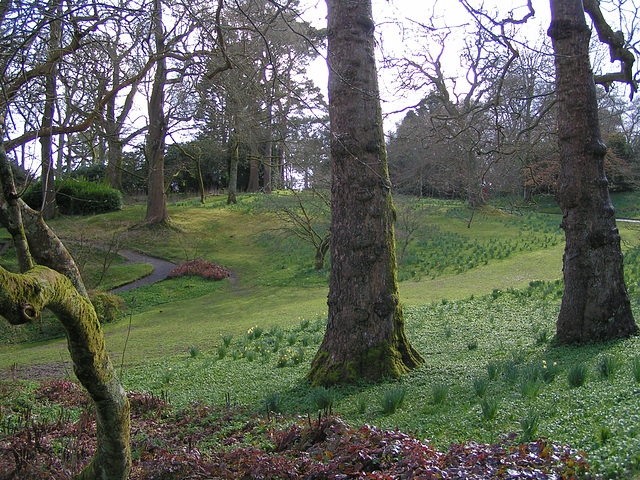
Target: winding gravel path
column 161, row 269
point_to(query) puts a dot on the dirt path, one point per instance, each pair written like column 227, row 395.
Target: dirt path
column 161, row 269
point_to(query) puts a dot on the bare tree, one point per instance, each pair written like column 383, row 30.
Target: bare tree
column 307, row 217
column 24, row 295
column 155, row 141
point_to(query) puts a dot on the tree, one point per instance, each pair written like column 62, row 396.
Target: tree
column 306, row 217
column 365, row 336
column 595, row 304
column 256, row 101
column 59, row 288
column 154, row 150
column 22, row 298
column 48, row 209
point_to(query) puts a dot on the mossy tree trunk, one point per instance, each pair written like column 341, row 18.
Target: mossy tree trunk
column 595, row 305
column 22, row 298
column 44, row 246
column 365, row 335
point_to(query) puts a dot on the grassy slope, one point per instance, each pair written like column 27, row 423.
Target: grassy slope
column 242, row 238
column 271, row 288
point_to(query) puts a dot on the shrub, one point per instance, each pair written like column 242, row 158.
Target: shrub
column 75, row 197
column 577, row 376
column 392, row 399
column 194, row 351
column 108, row 307
column 200, row 268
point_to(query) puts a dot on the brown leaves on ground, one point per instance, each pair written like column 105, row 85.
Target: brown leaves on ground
column 212, row 442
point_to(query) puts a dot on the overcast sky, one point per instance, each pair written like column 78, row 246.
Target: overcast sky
column 396, row 21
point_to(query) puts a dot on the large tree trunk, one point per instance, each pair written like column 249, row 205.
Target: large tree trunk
column 595, row 304
column 365, row 336
column 156, row 197
column 22, row 298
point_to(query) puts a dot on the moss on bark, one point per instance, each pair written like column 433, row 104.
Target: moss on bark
column 22, row 298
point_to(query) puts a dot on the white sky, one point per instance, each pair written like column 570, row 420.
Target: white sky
column 392, row 16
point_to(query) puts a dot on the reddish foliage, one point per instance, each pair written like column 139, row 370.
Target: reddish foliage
column 200, row 268
column 233, row 443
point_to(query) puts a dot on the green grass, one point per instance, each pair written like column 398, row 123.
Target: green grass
column 502, row 306
column 439, row 402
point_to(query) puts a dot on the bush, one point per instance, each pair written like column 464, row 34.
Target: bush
column 204, row 269
column 75, row 197
column 108, row 307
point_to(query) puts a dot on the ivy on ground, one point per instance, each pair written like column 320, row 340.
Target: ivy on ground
column 224, row 442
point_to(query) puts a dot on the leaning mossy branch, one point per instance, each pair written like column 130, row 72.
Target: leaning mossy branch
column 22, row 298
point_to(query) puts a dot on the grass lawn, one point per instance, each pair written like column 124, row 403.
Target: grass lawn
column 481, row 301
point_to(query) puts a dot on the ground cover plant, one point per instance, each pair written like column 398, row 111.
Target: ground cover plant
column 229, row 442
column 492, row 371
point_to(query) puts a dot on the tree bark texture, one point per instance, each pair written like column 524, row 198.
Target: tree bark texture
column 156, row 198
column 365, row 336
column 254, row 174
column 22, row 298
column 233, row 172
column 595, row 305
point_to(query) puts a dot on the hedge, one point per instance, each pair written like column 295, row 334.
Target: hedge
column 75, row 197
